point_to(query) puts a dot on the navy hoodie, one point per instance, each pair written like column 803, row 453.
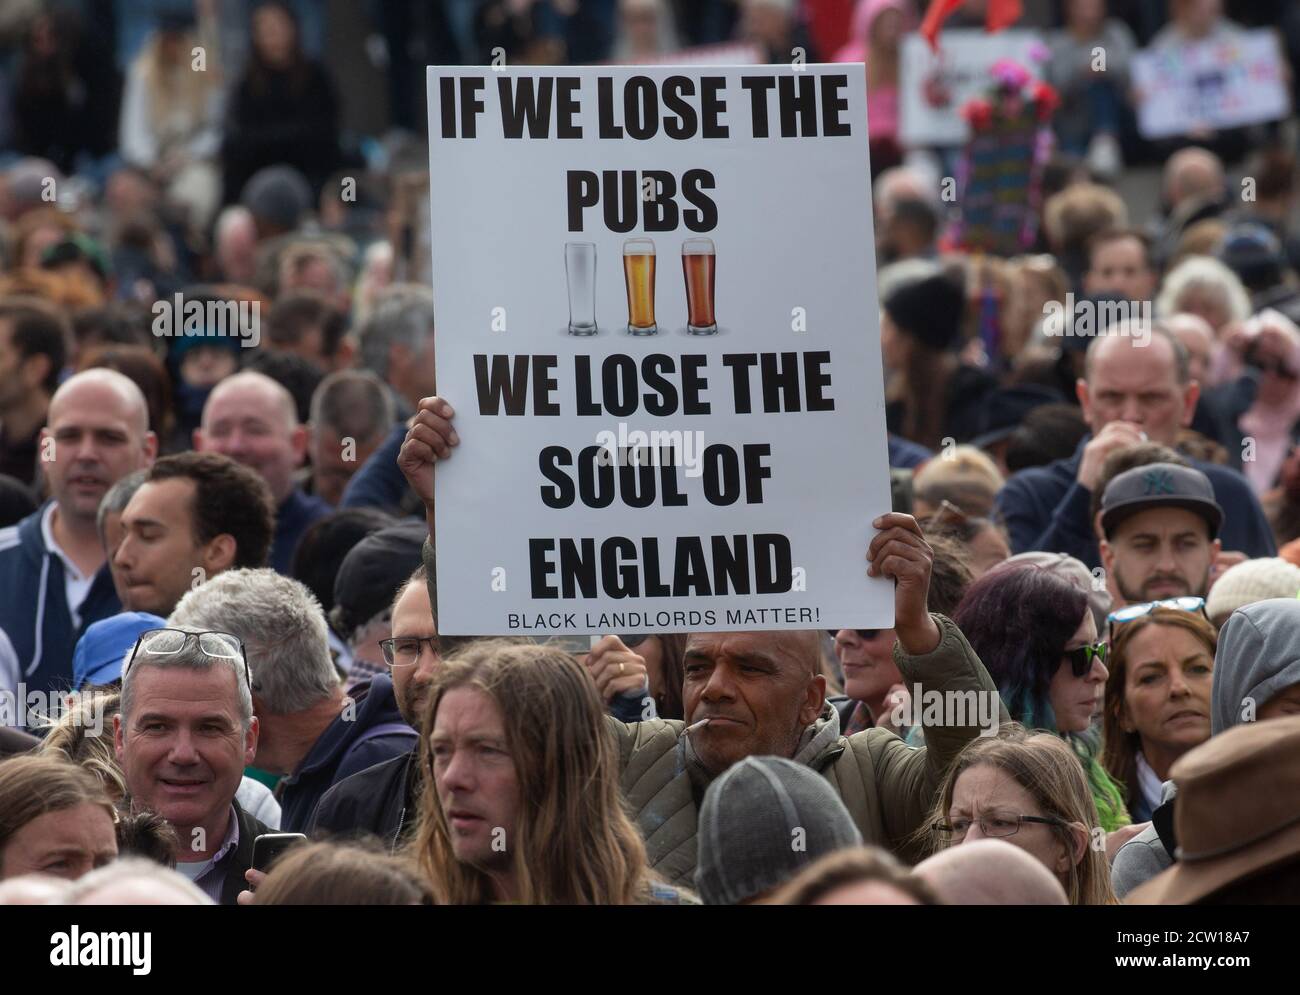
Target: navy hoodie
column 37, row 636
column 357, row 739
column 1045, row 507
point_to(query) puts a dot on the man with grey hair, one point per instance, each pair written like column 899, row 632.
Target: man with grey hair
column 397, row 341
column 311, row 732
column 396, row 344
column 1136, row 388
column 351, row 412
column 184, row 735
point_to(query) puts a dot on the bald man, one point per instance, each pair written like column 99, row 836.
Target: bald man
column 1137, row 386
column 1193, row 174
column 53, row 574
column 253, row 420
column 990, row 872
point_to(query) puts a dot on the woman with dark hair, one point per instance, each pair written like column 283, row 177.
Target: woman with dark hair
column 665, row 661
column 65, row 90
column 1037, row 636
column 285, row 109
column 930, row 394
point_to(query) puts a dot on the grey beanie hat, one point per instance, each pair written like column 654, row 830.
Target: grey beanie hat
column 764, row 820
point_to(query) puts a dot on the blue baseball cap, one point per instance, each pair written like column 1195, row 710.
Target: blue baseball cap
column 100, row 651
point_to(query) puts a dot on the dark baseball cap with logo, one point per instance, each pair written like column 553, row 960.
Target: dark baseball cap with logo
column 1159, row 485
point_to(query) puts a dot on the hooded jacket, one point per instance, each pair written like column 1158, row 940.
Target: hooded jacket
column 887, row 786
column 1258, row 656
column 37, row 637
column 360, row 737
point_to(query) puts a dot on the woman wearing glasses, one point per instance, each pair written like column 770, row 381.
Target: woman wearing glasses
column 1037, row 636
column 1161, row 666
column 1028, row 789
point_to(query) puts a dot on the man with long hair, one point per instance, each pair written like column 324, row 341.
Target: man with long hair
column 520, row 801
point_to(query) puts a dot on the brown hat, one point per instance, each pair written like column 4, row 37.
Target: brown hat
column 1237, row 812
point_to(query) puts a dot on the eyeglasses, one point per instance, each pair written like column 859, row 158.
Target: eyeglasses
column 864, row 634
column 1082, row 656
column 995, row 826
column 404, row 651
column 1131, row 612
column 211, row 642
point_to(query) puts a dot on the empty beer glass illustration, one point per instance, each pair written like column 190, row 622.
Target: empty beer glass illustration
column 697, row 267
column 580, row 268
column 639, row 271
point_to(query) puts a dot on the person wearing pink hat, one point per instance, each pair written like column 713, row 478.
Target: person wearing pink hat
column 878, row 29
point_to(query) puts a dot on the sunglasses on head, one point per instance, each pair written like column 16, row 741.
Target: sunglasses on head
column 1131, row 612
column 864, row 634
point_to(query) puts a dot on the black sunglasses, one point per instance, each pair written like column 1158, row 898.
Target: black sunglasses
column 864, row 634
column 211, row 642
column 1082, row 656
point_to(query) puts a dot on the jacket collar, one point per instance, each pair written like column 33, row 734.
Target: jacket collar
column 241, row 859
column 814, row 750
column 372, row 703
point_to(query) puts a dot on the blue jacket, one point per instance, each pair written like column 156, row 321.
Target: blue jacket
column 358, row 738
column 379, row 483
column 1046, row 508
column 292, row 519
column 905, row 454
column 37, row 637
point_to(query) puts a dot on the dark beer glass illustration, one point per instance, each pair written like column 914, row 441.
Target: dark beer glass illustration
column 698, row 260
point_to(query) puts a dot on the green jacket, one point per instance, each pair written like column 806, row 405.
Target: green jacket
column 887, row 786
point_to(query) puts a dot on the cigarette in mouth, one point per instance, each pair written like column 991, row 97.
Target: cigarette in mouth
column 696, row 725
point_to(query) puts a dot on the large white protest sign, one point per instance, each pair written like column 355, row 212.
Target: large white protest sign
column 657, row 322
column 1225, row 83
column 933, row 86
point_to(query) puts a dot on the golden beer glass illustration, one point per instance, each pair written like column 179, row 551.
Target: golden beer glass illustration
column 639, row 272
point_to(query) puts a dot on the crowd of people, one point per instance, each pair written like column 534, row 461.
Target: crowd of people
column 219, row 429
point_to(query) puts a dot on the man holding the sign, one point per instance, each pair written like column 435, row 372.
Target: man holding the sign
column 762, row 693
